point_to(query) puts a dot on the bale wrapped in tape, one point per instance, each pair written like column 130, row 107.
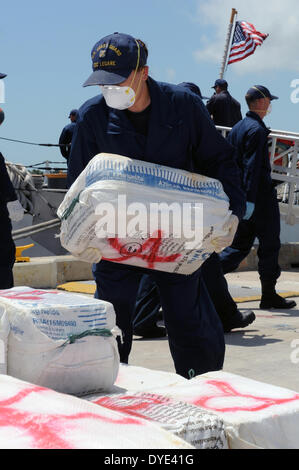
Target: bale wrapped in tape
column 255, row 414
column 143, row 214
column 60, row 340
column 198, row 427
column 34, row 417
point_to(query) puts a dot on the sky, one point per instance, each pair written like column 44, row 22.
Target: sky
column 45, row 51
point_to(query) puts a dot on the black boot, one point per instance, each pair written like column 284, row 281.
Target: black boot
column 154, row 331
column 270, row 299
column 237, row 320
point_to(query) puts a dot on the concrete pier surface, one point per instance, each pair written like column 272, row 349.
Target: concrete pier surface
column 267, row 350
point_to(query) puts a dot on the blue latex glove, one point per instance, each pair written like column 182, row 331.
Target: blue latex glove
column 249, row 210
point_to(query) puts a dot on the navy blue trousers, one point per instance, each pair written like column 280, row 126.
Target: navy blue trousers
column 195, row 333
column 265, row 226
column 147, row 305
column 148, row 301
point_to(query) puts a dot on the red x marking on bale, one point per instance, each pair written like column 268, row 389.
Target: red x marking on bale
column 148, row 251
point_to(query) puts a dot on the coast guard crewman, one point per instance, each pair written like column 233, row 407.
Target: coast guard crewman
column 224, row 109
column 10, row 209
column 65, row 139
column 138, row 117
column 147, row 310
column 262, row 218
column 194, row 88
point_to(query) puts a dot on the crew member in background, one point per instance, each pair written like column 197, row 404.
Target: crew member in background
column 148, row 306
column 66, row 135
column 262, row 218
column 2, row 98
column 164, row 124
column 223, row 108
column 194, row 88
column 10, row 209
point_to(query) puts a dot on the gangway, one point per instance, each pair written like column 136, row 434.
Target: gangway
column 284, row 159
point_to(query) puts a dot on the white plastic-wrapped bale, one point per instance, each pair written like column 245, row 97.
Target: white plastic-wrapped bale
column 252, row 414
column 34, row 417
column 143, row 214
column 59, row 340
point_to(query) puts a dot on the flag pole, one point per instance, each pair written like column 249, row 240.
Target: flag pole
column 229, row 33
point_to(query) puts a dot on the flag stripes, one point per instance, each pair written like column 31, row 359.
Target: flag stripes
column 245, row 40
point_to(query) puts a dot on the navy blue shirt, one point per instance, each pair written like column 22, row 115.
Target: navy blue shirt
column 180, row 135
column 250, row 138
column 226, row 111
column 7, row 192
column 140, row 120
column 66, row 139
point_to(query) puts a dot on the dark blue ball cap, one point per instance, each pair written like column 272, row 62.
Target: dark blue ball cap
column 221, row 83
column 2, row 75
column 258, row 92
column 113, row 59
column 194, row 88
column 74, row 112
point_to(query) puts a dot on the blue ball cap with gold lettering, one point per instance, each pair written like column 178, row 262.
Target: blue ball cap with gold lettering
column 113, row 59
column 2, row 75
column 258, row 92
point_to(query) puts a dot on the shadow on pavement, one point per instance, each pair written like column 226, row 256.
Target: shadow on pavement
column 249, row 338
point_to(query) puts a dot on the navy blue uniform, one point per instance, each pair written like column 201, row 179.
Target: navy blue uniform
column 65, row 139
column 8, row 250
column 226, row 111
column 180, row 135
column 148, row 304
column 147, row 307
column 250, row 137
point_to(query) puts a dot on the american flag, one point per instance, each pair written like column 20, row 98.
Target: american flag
column 245, row 41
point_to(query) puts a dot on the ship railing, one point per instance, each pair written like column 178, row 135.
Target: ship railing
column 33, row 229
column 284, row 159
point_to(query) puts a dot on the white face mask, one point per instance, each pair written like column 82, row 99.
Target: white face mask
column 269, row 110
column 122, row 97
column 118, row 97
